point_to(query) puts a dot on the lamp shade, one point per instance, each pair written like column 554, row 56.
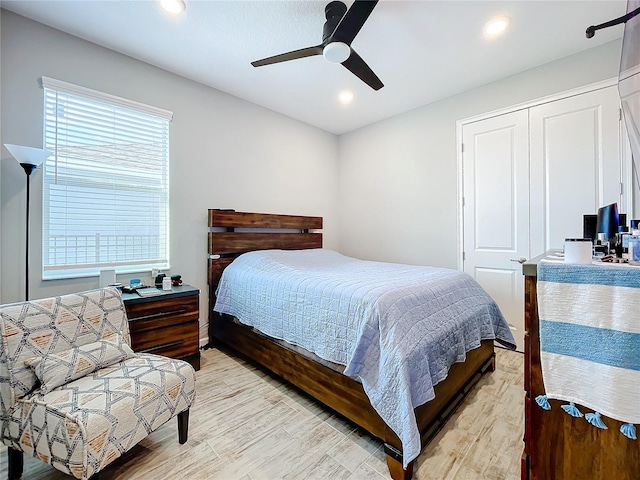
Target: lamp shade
column 28, row 155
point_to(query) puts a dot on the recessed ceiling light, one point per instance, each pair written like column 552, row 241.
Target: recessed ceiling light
column 173, row 6
column 496, row 26
column 345, row 97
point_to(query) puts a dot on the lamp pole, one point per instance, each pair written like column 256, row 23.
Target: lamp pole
column 28, row 169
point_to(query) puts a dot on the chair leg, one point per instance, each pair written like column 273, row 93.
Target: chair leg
column 183, row 426
column 15, row 460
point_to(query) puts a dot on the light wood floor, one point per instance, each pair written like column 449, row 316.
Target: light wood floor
column 247, row 425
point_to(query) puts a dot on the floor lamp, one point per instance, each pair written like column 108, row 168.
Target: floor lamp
column 29, row 158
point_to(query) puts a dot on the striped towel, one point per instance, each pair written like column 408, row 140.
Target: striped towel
column 590, row 339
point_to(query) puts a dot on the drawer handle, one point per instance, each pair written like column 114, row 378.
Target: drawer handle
column 162, row 347
column 160, row 315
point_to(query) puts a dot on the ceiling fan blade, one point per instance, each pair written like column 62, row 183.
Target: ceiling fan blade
column 356, row 65
column 353, row 21
column 285, row 57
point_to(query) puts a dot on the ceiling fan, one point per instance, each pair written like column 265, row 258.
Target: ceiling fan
column 339, row 30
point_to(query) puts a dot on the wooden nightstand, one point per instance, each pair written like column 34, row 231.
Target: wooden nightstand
column 166, row 324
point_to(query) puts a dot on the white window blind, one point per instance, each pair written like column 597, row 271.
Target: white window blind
column 106, row 186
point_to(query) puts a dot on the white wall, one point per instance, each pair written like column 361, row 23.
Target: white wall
column 225, row 153
column 387, row 191
column 398, row 178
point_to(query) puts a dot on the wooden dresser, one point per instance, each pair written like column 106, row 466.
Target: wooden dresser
column 558, row 446
column 166, row 324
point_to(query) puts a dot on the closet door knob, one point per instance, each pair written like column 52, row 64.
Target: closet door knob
column 519, row 260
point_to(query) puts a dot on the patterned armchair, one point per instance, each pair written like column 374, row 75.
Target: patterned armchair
column 72, row 393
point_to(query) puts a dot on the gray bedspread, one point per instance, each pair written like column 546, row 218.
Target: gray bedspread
column 396, row 328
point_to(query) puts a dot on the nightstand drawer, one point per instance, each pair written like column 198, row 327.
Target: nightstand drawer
column 162, row 313
column 176, row 341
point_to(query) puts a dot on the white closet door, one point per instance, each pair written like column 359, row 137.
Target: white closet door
column 496, row 210
column 575, row 164
column 528, row 178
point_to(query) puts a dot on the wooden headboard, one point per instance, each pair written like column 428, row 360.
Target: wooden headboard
column 226, row 245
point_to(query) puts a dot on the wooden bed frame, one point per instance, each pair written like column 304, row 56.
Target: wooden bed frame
column 339, row 392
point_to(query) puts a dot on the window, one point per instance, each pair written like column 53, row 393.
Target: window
column 106, row 186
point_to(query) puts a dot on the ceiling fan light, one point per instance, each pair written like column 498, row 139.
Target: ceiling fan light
column 336, row 52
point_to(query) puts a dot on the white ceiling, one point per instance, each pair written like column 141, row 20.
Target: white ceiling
column 423, row 51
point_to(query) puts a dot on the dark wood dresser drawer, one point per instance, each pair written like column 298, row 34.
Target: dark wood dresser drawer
column 166, row 324
column 163, row 313
column 175, row 341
